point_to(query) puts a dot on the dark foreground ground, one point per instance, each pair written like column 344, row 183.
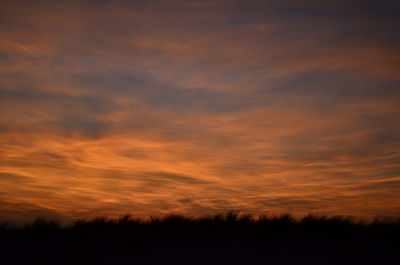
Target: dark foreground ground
column 220, row 239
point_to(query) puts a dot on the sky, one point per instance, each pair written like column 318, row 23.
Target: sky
column 199, row 107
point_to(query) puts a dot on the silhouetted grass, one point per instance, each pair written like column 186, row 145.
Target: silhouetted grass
column 218, row 239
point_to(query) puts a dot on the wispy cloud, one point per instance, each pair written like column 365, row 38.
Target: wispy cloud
column 199, row 106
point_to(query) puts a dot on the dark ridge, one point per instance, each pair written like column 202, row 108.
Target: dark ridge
column 218, row 239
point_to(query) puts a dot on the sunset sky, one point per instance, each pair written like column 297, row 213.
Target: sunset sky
column 199, row 107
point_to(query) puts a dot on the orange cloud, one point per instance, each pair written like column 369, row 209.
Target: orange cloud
column 108, row 109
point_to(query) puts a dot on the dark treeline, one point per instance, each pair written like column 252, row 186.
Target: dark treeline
column 218, row 239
